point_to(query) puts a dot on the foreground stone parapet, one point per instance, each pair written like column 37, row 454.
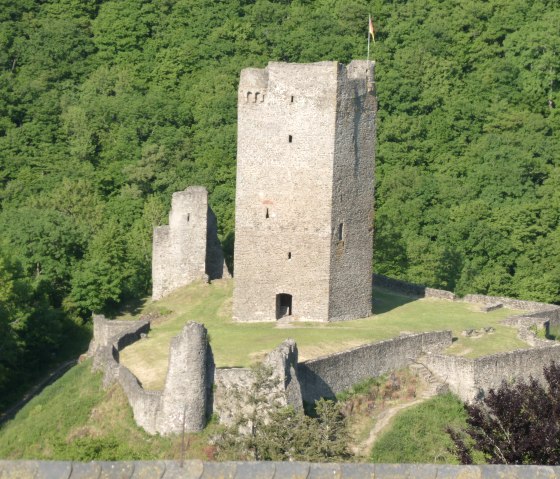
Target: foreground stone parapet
column 264, row 470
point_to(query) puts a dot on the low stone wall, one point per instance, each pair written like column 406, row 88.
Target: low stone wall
column 330, row 375
column 235, row 388
column 511, row 303
column 470, row 379
column 455, row 371
column 270, row 470
column 411, row 289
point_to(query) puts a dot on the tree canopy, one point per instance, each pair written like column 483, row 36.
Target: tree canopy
column 107, row 107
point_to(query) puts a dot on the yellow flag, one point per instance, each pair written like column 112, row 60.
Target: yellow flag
column 371, row 29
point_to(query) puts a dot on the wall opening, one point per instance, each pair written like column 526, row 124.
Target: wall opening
column 289, row 138
column 340, row 232
column 267, row 214
column 249, row 96
column 289, row 255
column 188, row 217
column 292, row 99
column 283, row 305
column 256, row 96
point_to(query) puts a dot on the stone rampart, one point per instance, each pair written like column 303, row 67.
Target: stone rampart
column 411, row 289
column 184, row 399
column 511, row 303
column 470, row 379
column 330, row 375
column 267, row 469
column 236, row 388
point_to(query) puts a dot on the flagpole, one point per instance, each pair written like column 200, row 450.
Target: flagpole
column 368, row 34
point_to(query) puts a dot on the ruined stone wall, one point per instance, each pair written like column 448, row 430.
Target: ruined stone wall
column 512, row 303
column 184, row 399
column 412, row 289
column 188, row 248
column 329, row 375
column 236, row 388
column 286, row 156
column 470, row 379
column 352, row 193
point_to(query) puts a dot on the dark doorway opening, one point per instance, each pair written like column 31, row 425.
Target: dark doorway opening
column 283, row 305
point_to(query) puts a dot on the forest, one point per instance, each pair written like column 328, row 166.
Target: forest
column 107, row 107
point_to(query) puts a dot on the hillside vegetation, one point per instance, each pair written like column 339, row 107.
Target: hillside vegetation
column 107, row 107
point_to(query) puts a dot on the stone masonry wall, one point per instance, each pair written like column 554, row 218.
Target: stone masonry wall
column 329, row 375
column 264, row 469
column 470, row 379
column 412, row 289
column 351, row 224
column 288, row 128
column 184, row 399
column 235, row 387
column 188, row 248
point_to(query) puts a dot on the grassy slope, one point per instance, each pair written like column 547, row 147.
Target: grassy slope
column 418, row 434
column 238, row 344
column 75, row 419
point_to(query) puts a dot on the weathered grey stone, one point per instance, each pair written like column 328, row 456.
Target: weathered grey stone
column 329, row 375
column 221, row 470
column 191, row 469
column 187, row 249
column 184, row 398
column 292, row 470
column 304, row 195
column 459, row 472
column 86, row 470
column 324, row 471
column 536, row 472
column 392, row 471
column 53, row 469
column 148, row 470
column 18, row 469
column 116, row 470
column 255, row 470
column 357, row 471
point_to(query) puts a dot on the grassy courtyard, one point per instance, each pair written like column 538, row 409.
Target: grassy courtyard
column 238, row 344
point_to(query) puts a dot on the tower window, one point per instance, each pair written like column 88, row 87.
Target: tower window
column 289, row 255
column 267, row 215
column 188, row 217
column 289, row 138
column 292, row 99
column 340, row 231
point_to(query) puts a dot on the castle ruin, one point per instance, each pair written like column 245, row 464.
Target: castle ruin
column 304, row 195
column 188, row 248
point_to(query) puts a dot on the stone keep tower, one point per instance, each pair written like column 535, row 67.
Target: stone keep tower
column 188, row 248
column 304, row 199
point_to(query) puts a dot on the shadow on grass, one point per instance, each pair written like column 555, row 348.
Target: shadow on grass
column 132, row 307
column 385, row 300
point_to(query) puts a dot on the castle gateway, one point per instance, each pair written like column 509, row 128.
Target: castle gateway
column 304, row 199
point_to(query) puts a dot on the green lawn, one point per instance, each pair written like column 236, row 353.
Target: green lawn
column 240, row 344
column 418, row 434
column 75, row 419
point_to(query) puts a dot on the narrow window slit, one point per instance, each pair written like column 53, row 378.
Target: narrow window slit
column 289, row 255
column 289, row 138
column 267, row 215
